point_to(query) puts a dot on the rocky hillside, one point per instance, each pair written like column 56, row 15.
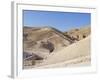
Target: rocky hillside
column 78, row 34
column 45, row 38
column 41, row 42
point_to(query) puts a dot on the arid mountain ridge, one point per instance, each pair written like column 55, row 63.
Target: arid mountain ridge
column 40, row 42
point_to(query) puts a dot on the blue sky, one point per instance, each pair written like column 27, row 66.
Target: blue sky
column 59, row 20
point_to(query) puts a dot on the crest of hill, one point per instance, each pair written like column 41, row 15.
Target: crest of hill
column 35, row 34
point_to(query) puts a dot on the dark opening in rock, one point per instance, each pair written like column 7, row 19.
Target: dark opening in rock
column 84, row 36
column 48, row 45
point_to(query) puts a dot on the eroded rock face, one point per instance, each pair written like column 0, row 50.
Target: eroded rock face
column 34, row 37
column 78, row 34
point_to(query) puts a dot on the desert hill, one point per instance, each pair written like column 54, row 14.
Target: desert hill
column 44, row 40
column 49, row 46
column 38, row 43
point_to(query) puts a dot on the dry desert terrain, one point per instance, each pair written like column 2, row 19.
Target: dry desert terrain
column 47, row 47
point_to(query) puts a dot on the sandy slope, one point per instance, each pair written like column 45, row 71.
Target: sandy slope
column 80, row 61
column 79, row 50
